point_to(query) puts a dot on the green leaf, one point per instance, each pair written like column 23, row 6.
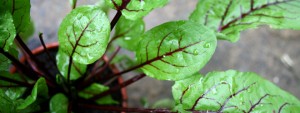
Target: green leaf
column 95, row 89
column 136, row 9
column 128, row 33
column 232, row 91
column 28, row 32
column 175, row 50
column 164, row 103
column 20, row 10
column 59, row 103
column 84, row 33
column 104, row 7
column 7, row 29
column 10, row 97
column 40, row 89
column 77, row 69
column 230, row 17
column 12, row 92
column 5, row 62
column 6, row 104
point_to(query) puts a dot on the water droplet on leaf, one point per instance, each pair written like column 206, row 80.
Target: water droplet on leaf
column 195, row 52
column 207, row 45
column 127, row 38
column 261, row 105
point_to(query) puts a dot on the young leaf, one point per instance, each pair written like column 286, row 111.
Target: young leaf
column 77, row 69
column 84, row 33
column 96, row 89
column 7, row 29
column 231, row 91
column 175, row 50
column 128, row 33
column 59, row 103
column 230, row 17
column 40, row 89
column 136, row 9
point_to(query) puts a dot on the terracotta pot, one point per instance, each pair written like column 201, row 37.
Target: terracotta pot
column 54, row 45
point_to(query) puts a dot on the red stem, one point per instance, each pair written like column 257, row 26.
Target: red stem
column 37, row 62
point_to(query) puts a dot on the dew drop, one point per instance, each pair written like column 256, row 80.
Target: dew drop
column 195, row 52
column 207, row 45
column 127, row 38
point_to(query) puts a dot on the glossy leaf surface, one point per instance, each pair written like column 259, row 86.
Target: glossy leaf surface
column 230, row 17
column 8, row 105
column 128, row 33
column 7, row 28
column 136, row 9
column 175, row 50
column 77, row 69
column 232, row 91
column 84, row 33
column 39, row 91
column 59, row 103
column 95, row 89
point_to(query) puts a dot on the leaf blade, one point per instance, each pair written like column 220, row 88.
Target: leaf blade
column 232, row 17
column 178, row 49
column 136, row 9
column 231, row 91
column 95, row 89
column 84, row 34
column 128, row 33
column 40, row 89
column 77, row 69
column 59, row 103
column 7, row 28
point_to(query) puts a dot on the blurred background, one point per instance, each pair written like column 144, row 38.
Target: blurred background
column 274, row 54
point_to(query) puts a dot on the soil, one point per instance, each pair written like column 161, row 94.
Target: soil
column 274, row 54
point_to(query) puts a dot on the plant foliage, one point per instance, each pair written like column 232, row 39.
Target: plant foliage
column 230, row 17
column 79, row 75
column 231, row 91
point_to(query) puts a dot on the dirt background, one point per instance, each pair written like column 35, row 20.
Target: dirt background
column 274, row 54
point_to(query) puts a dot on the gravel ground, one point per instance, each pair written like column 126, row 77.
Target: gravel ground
column 274, row 54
